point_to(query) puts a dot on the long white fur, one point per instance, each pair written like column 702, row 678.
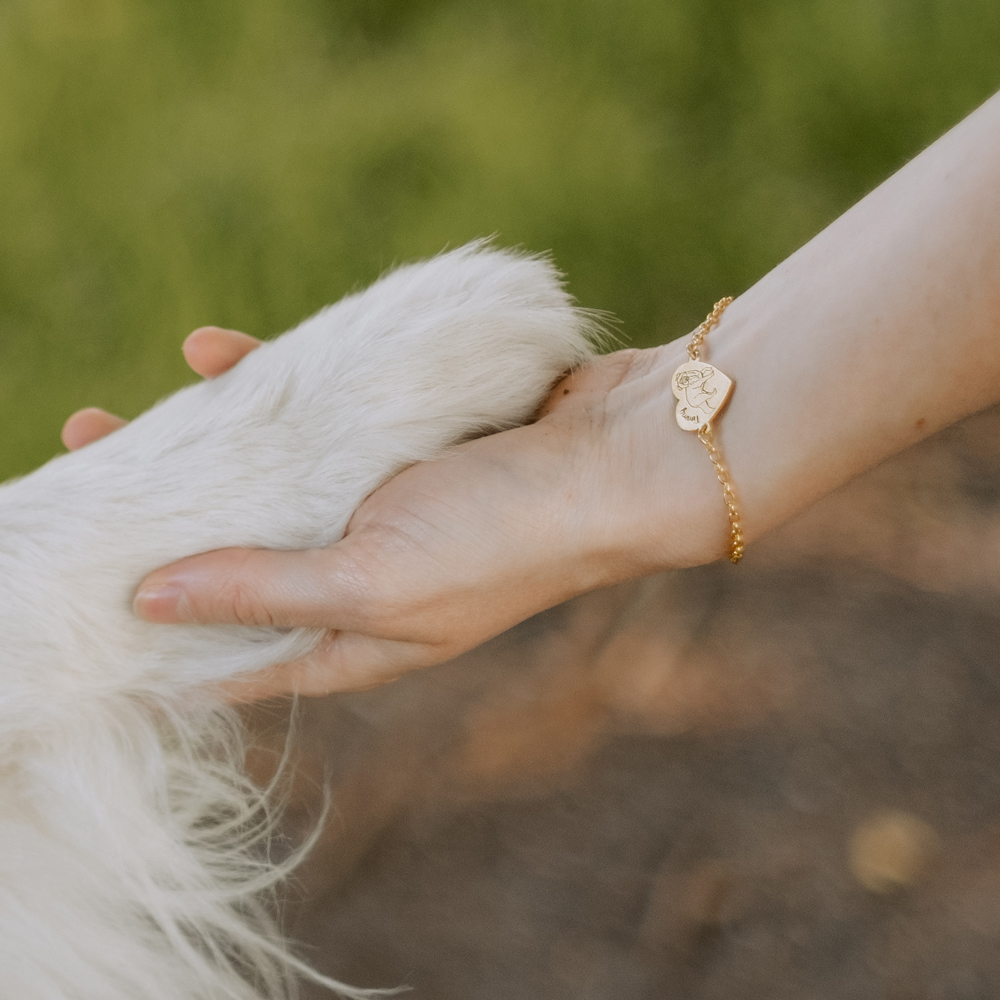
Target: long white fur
column 132, row 848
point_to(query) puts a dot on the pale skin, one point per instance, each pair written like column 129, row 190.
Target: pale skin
column 880, row 331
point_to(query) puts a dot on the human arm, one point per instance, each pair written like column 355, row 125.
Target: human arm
column 879, row 331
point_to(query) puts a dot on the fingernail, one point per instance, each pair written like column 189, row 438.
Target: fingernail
column 164, row 604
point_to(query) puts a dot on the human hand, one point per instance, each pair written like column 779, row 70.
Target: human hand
column 451, row 552
column 602, row 486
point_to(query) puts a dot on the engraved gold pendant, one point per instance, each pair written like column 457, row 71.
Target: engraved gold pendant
column 702, row 391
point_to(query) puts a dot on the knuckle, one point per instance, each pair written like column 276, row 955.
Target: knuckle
column 246, row 606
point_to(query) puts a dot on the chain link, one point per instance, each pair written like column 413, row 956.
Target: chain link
column 707, row 438
column 711, row 320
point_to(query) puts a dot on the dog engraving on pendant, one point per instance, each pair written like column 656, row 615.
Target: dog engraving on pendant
column 701, row 392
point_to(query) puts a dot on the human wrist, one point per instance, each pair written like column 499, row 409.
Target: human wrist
column 662, row 502
column 695, row 512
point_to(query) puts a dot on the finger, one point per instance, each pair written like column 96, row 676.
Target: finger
column 211, row 350
column 87, row 426
column 314, row 588
column 343, row 661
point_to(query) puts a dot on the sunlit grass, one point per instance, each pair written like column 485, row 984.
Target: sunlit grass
column 169, row 165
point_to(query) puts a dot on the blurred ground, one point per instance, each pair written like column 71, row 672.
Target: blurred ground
column 775, row 780
column 242, row 162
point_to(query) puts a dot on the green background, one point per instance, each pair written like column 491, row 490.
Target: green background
column 242, row 162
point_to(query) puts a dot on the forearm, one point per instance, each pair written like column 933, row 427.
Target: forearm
column 878, row 332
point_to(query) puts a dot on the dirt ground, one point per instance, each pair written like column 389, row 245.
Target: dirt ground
column 775, row 780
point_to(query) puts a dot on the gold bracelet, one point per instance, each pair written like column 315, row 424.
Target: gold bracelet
column 702, row 391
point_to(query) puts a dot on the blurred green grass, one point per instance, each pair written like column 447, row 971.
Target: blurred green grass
column 242, row 162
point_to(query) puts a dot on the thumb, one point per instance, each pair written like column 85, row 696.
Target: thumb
column 311, row 588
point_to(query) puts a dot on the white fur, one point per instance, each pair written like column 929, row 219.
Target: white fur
column 131, row 846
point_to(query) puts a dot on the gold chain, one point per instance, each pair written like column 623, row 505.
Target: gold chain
column 735, row 531
column 712, row 319
column 713, row 400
